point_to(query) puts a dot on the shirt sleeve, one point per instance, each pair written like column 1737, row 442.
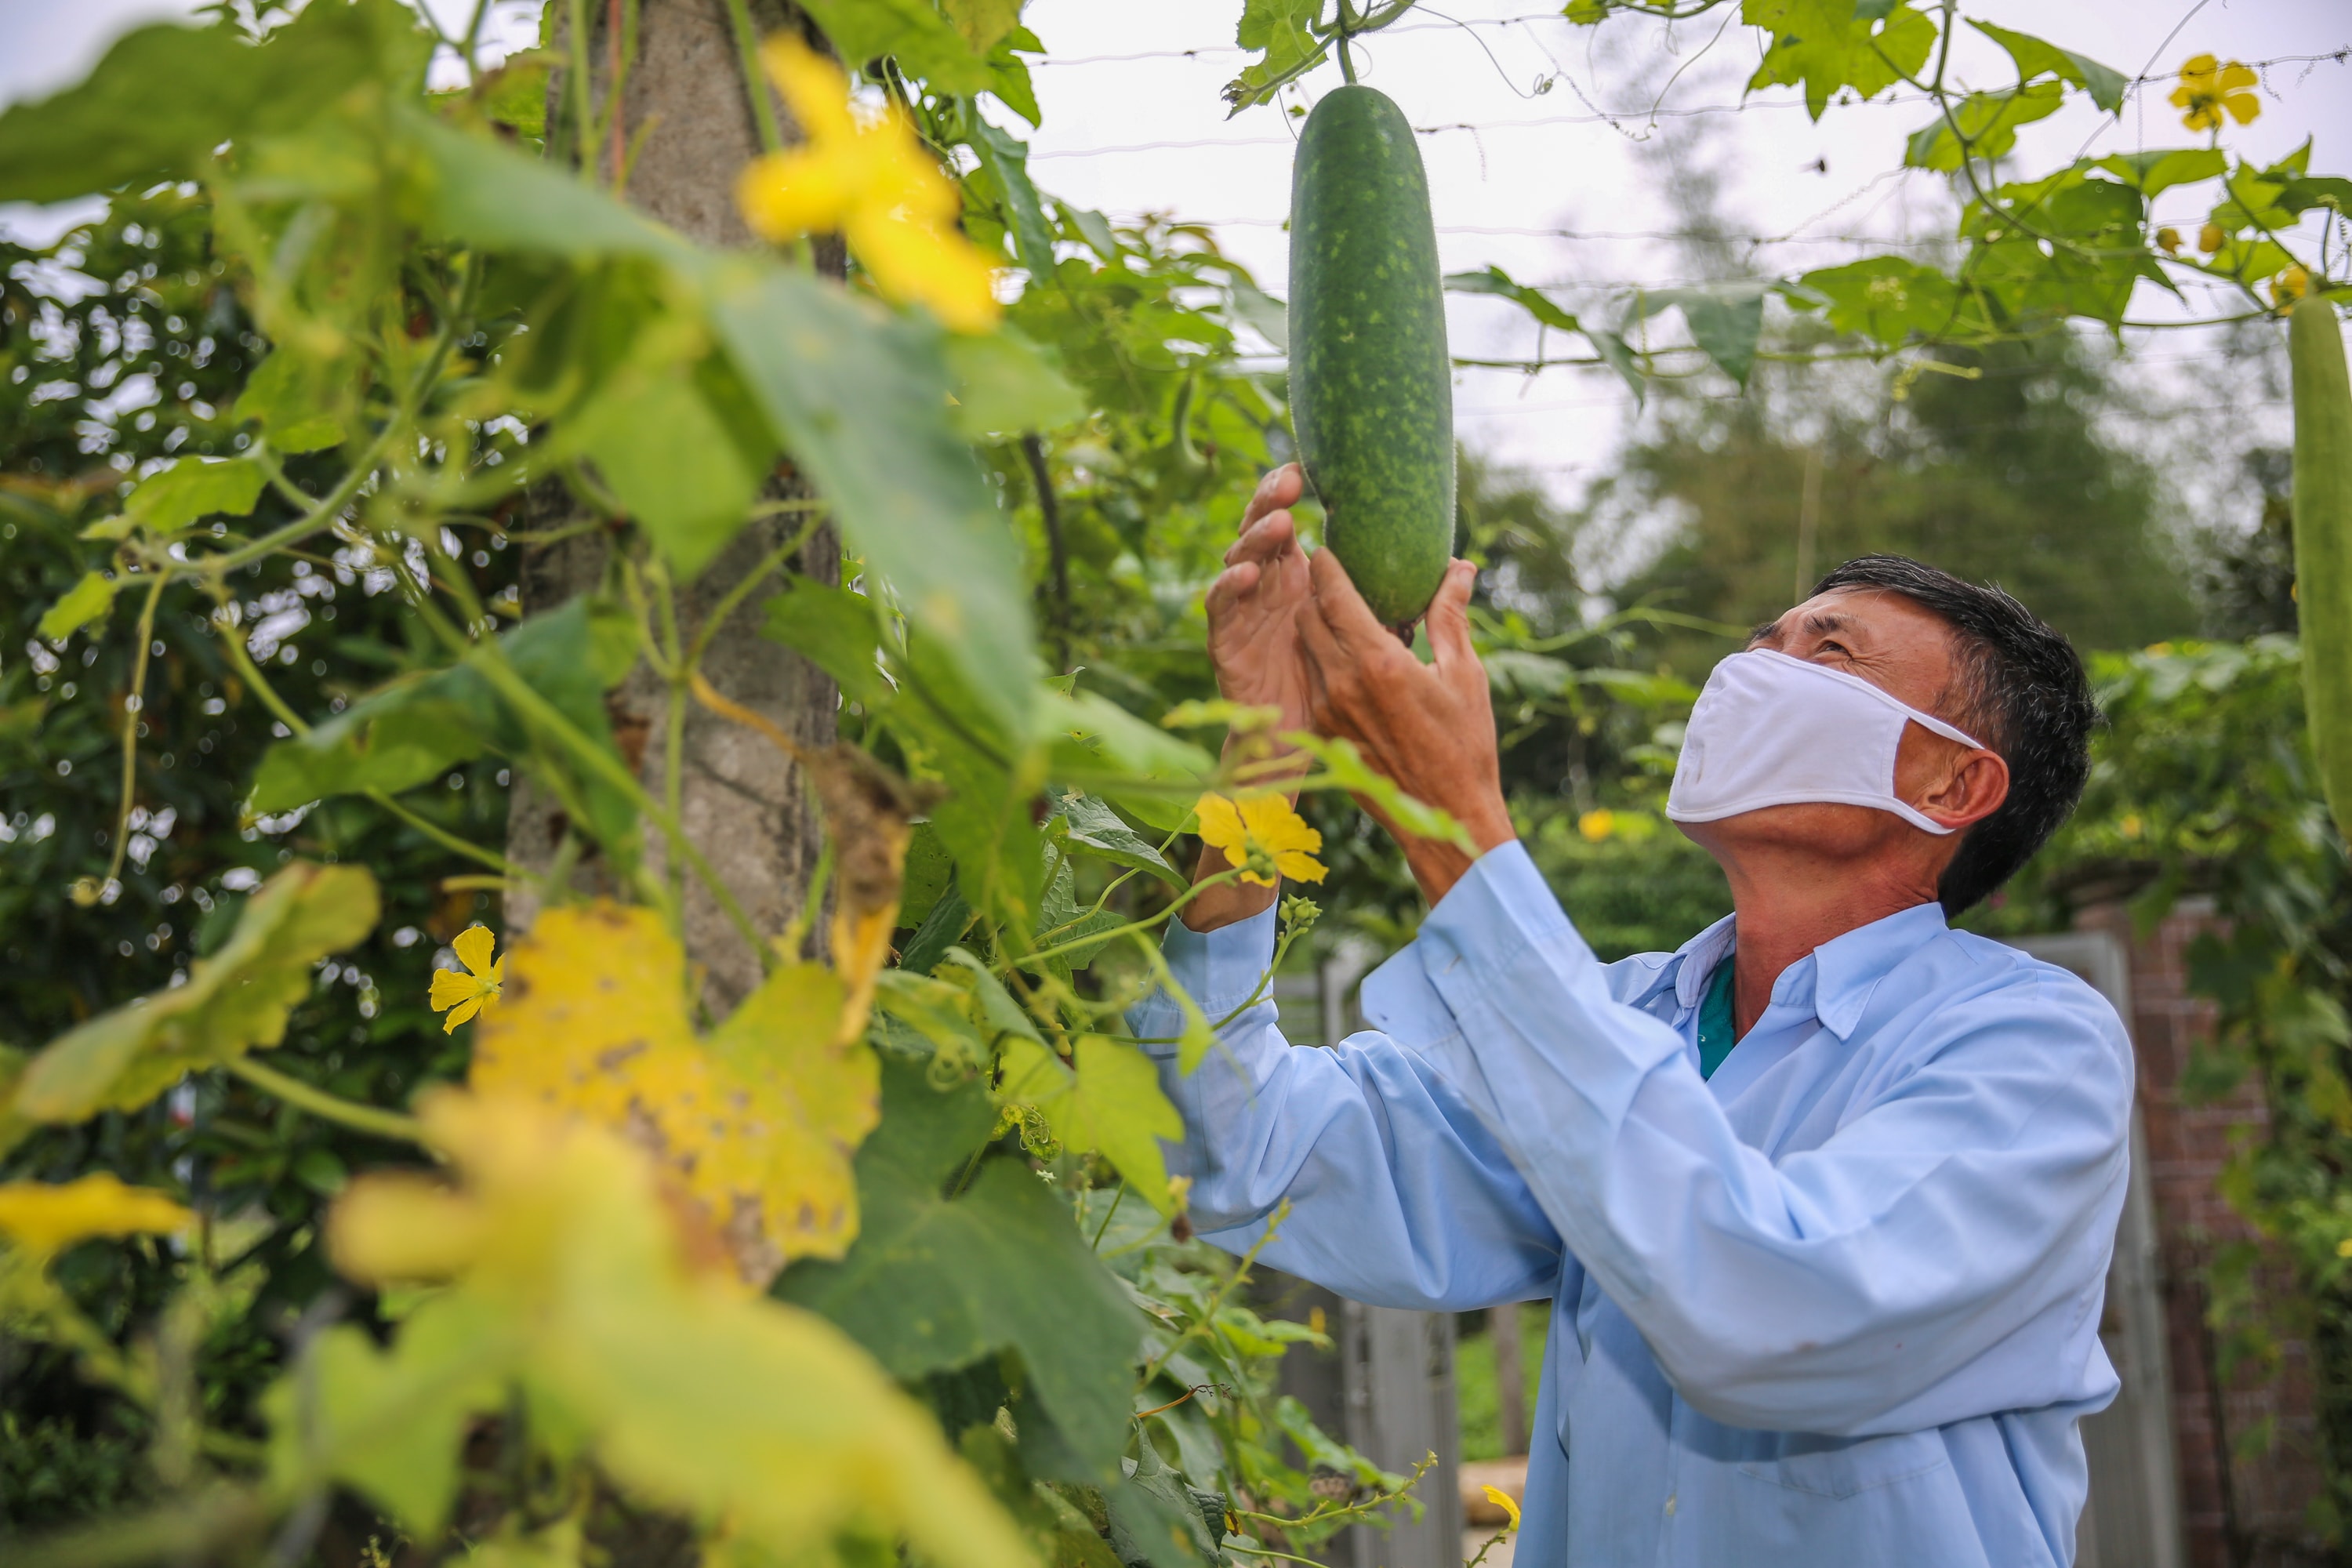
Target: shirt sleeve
column 1398, row 1195
column 1959, row 1219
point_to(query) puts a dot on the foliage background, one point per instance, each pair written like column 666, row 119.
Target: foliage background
column 1122, row 515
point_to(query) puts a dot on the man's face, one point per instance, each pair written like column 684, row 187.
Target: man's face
column 1890, row 641
column 1905, row 650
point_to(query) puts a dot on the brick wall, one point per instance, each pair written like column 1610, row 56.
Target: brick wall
column 2247, row 1512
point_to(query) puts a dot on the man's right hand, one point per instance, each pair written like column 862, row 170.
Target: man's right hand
column 1253, row 607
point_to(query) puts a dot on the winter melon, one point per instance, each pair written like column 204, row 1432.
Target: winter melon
column 2323, row 539
column 1372, row 387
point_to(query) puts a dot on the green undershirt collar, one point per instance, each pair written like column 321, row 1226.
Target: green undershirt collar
column 1718, row 1031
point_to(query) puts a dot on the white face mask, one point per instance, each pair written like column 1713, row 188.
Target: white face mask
column 1770, row 730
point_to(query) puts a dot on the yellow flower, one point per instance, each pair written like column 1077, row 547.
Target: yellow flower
column 2212, row 238
column 2169, row 240
column 2131, row 826
column 467, row 994
column 2344, row 1247
column 2208, row 88
column 1597, row 826
column 1508, row 1503
column 872, row 180
column 1262, row 834
column 44, row 1218
column 2290, row 286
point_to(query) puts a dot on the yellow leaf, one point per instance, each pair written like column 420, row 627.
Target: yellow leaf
column 757, row 1124
column 693, row 1397
column 44, row 1217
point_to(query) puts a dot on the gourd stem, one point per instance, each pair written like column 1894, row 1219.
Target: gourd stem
column 1346, row 25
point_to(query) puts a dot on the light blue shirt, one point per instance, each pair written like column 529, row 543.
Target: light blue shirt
column 1838, row 1305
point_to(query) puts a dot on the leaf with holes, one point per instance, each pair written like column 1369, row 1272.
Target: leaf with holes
column 757, row 1121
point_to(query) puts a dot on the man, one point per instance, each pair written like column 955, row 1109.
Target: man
column 1824, row 1200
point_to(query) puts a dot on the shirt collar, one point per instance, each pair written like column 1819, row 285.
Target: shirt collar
column 1841, row 973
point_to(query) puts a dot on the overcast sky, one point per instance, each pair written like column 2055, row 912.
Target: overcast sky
column 1549, row 148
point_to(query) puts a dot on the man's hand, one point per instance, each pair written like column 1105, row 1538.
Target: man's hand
column 1253, row 606
column 1254, row 613
column 1430, row 728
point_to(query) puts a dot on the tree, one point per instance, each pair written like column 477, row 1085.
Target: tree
column 1991, row 465
column 684, row 126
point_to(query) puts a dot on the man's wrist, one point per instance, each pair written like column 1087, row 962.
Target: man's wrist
column 1437, row 864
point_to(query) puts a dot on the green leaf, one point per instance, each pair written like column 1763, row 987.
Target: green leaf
column 85, row 602
column 193, row 488
column 1283, row 32
column 2305, row 192
column 1612, row 347
column 1725, row 321
column 490, row 195
column 1092, row 227
column 1156, row 1521
column 1109, row 1102
column 1001, row 1016
column 1090, row 737
column 2036, row 57
column 928, row 871
column 233, row 1002
column 514, row 95
column 860, row 400
column 291, row 396
column 1884, row 297
column 939, row 1013
column 1828, row 45
column 1007, row 158
column 2160, row 169
column 1092, row 826
column 982, row 23
column 834, row 630
column 1061, row 923
column 941, row 929
column 1256, row 308
column 935, row 1282
column 1495, row 281
column 1619, row 355
column 417, row 728
column 392, row 740
column 163, row 97
column 924, row 43
column 1344, row 767
column 1008, row 74
column 392, row 1423
column 1987, row 119
column 1006, row 387
column 685, row 472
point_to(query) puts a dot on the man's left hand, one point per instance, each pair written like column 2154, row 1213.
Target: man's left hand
column 1430, row 728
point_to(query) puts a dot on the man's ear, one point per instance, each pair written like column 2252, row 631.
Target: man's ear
column 1972, row 791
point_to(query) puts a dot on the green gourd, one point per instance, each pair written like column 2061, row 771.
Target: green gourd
column 1372, row 386
column 2322, row 541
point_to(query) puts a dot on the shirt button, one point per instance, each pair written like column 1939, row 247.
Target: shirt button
column 1670, row 1504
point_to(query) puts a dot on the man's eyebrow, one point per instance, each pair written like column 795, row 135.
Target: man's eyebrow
column 1826, row 621
column 1763, row 630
